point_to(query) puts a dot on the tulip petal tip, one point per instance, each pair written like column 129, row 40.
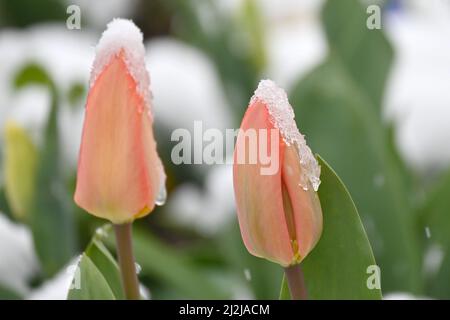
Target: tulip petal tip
column 123, row 35
column 282, row 117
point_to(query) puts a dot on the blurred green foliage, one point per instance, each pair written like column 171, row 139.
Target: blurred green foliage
column 434, row 215
column 51, row 219
column 23, row 13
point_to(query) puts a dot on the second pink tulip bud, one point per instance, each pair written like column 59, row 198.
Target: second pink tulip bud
column 279, row 212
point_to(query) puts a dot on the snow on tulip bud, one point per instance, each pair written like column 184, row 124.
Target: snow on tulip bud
column 279, row 214
column 120, row 175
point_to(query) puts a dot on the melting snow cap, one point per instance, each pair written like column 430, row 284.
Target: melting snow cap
column 123, row 34
column 282, row 116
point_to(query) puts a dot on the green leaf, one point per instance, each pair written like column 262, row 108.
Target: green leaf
column 250, row 24
column 366, row 53
column 99, row 268
column 92, row 284
column 284, row 291
column 341, row 124
column 9, row 294
column 162, row 263
column 108, row 266
column 23, row 13
column 76, row 93
column 4, row 205
column 337, row 268
column 32, row 73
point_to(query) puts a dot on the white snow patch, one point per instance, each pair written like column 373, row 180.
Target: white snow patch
column 186, row 84
column 282, row 114
column 18, row 261
column 418, row 96
column 123, row 35
column 207, row 210
column 57, row 287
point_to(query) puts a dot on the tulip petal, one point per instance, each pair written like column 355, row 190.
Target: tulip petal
column 114, row 179
column 304, row 205
column 259, row 197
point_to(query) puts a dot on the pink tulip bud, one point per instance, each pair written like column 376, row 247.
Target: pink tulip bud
column 279, row 213
column 120, row 176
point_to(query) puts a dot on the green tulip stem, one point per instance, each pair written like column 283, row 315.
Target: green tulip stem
column 296, row 282
column 126, row 261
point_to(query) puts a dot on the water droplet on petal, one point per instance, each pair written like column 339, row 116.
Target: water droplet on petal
column 162, row 194
column 138, row 268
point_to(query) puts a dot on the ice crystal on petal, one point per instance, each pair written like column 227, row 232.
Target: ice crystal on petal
column 282, row 117
column 122, row 35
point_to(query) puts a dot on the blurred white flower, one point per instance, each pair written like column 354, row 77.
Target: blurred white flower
column 29, row 109
column 18, row 260
column 67, row 56
column 185, row 86
column 295, row 46
column 418, row 95
column 295, row 39
column 208, row 210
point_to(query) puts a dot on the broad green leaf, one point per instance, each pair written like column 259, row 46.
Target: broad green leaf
column 98, row 261
column 19, row 168
column 341, row 125
column 435, row 215
column 337, row 268
column 107, row 265
column 91, row 284
column 50, row 218
column 366, row 53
